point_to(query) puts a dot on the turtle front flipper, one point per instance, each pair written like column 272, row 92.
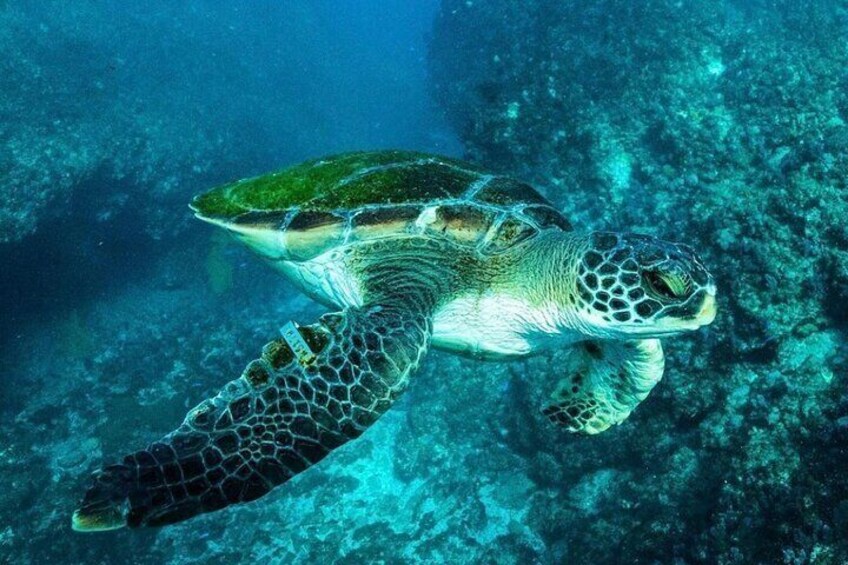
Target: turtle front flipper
column 604, row 382
column 287, row 411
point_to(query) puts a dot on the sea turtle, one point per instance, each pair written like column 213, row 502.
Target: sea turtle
column 411, row 250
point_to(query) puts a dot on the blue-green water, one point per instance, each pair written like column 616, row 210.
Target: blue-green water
column 721, row 125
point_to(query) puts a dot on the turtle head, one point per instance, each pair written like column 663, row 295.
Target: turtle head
column 631, row 285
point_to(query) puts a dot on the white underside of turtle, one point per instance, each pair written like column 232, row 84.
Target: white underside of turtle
column 487, row 325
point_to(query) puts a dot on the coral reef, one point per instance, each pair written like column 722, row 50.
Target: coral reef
column 721, row 125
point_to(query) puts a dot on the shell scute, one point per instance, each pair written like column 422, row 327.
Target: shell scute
column 546, row 217
column 506, row 234
column 374, row 222
column 424, row 182
column 504, row 191
column 270, row 220
column 311, row 233
column 464, row 223
column 388, row 215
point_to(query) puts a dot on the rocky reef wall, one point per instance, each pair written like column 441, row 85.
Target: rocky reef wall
column 723, row 125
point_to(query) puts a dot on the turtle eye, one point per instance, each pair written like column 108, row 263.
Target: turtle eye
column 668, row 285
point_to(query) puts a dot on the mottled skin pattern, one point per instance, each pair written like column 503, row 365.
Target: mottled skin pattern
column 412, row 250
column 617, row 267
column 604, row 384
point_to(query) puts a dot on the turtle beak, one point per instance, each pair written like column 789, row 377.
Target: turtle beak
column 707, row 313
column 704, row 315
column 708, row 310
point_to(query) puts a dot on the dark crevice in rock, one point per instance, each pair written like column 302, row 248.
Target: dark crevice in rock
column 76, row 257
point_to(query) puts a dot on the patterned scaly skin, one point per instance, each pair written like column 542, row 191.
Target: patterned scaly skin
column 281, row 416
column 276, row 420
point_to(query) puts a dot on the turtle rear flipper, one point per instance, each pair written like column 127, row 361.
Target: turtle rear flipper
column 286, row 412
column 605, row 382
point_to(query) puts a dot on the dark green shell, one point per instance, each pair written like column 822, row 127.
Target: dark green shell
column 355, row 196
